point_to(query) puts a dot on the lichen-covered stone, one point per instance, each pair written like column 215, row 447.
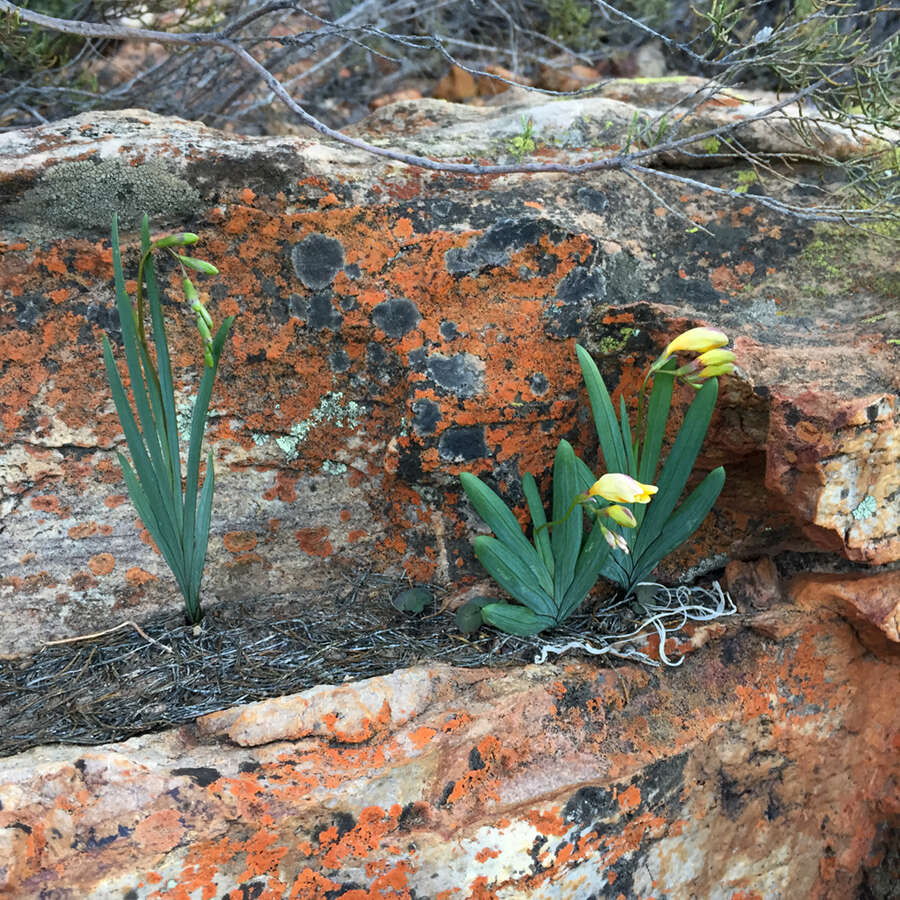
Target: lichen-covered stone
column 395, row 328
column 765, row 767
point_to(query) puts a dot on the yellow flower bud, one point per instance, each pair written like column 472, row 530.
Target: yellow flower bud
column 619, row 488
column 622, row 515
column 714, row 358
column 696, row 340
column 712, row 371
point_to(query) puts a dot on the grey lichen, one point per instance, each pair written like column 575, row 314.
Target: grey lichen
column 331, row 408
column 83, row 195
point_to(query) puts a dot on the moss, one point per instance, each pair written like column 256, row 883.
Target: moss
column 82, row 196
column 615, row 343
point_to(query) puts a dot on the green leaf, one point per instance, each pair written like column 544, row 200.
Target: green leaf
column 167, row 393
column 566, row 537
column 143, row 466
column 171, row 552
column 198, row 427
column 515, row 619
column 584, row 477
column 200, row 533
column 539, row 519
column 590, row 563
column 412, row 600
column 681, row 524
column 505, row 525
column 626, row 439
column 657, row 417
column 605, row 421
column 468, row 616
column 678, row 466
column 130, row 344
column 507, row 570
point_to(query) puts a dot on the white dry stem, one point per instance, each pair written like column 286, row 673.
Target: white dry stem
column 666, row 613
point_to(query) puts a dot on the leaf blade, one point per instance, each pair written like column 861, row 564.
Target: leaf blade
column 605, row 421
column 506, row 569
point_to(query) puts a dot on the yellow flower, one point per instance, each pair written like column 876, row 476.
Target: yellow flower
column 696, row 340
column 619, row 488
column 622, row 515
column 712, row 371
column 714, row 358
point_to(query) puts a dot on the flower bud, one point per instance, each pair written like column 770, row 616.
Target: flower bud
column 175, row 240
column 619, row 488
column 199, row 265
column 712, row 371
column 696, row 340
column 615, row 541
column 622, row 515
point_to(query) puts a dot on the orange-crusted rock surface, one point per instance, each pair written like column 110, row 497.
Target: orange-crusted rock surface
column 396, row 327
column 766, row 766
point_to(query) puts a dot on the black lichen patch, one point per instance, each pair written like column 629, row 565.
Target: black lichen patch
column 463, row 443
column 426, row 415
column 461, row 374
column 449, row 330
column 494, row 247
column 322, row 313
column 396, row 317
column 589, row 805
column 202, row 776
column 538, row 384
column 581, row 290
column 662, row 783
column 475, row 760
column 317, row 259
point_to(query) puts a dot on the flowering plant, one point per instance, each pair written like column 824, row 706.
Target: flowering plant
column 177, row 517
column 635, row 522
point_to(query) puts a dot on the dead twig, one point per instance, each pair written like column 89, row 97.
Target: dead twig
column 96, row 634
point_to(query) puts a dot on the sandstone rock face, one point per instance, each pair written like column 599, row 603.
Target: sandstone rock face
column 395, row 328
column 765, row 767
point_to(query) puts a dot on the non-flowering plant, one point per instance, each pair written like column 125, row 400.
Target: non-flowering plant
column 175, row 513
column 634, row 511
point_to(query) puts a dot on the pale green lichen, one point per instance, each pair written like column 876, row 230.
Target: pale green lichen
column 867, row 508
column 332, row 409
column 333, row 468
column 83, row 195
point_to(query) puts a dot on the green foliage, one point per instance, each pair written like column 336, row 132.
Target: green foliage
column 569, row 20
column 32, row 54
column 176, row 515
column 523, row 143
column 551, row 575
column 661, row 528
column 412, row 600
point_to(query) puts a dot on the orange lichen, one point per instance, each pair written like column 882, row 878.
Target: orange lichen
column 102, row 563
column 422, row 736
column 313, row 541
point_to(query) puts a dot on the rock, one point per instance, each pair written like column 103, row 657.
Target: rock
column 395, row 328
column 457, row 86
column 567, row 777
column 872, row 599
column 755, row 583
column 396, row 96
